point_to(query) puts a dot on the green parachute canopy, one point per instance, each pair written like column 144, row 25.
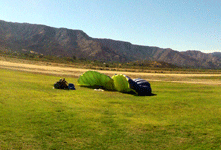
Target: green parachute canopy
column 121, row 83
column 96, row 79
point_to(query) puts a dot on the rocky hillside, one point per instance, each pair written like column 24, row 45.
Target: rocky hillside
column 217, row 54
column 66, row 42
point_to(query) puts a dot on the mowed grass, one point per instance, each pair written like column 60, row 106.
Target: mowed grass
column 33, row 115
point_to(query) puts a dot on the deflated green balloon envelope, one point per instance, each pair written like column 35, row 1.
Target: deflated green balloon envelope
column 121, row 83
column 96, row 79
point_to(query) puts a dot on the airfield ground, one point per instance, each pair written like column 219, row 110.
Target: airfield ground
column 63, row 70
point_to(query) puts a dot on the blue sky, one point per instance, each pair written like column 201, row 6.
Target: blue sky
column 177, row 24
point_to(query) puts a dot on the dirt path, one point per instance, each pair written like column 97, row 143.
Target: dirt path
column 213, row 79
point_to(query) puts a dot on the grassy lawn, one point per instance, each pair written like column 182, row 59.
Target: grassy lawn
column 33, row 115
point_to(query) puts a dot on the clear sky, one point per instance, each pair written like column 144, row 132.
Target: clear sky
column 177, row 24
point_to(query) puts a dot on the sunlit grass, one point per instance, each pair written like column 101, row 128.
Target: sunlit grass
column 33, row 115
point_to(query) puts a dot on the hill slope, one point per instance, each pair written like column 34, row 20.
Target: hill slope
column 66, row 42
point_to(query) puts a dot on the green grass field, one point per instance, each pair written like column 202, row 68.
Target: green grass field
column 33, row 115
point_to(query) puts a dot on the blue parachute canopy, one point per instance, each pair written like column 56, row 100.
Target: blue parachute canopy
column 141, row 86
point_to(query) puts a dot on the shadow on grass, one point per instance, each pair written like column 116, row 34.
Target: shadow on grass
column 149, row 95
column 135, row 94
column 131, row 93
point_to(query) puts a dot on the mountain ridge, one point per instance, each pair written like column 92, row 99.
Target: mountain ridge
column 67, row 42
